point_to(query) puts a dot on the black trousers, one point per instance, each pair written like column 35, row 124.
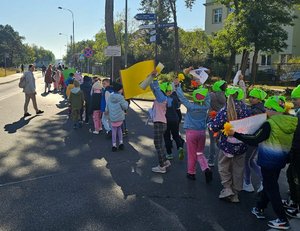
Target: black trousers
column 293, row 176
column 172, row 129
column 271, row 192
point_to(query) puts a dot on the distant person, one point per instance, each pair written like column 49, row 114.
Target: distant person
column 44, row 68
column 107, row 89
column 86, row 87
column 48, row 79
column 22, row 67
column 95, row 105
column 76, row 100
column 56, row 78
column 30, row 91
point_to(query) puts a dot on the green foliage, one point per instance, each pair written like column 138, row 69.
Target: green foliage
column 295, row 59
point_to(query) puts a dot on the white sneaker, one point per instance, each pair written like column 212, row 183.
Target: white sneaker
column 261, row 187
column 226, row 192
column 167, row 163
column 95, row 132
column 248, row 187
column 159, row 169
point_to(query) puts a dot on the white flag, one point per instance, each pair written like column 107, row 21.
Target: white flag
column 236, row 77
column 200, row 74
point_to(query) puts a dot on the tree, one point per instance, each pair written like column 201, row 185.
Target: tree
column 110, row 33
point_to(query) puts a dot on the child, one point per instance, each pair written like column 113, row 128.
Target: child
column 217, row 102
column 274, row 140
column 96, row 104
column 107, row 89
column 256, row 99
column 76, row 100
column 292, row 206
column 172, row 122
column 195, row 126
column 160, row 124
column 86, row 87
column 231, row 154
column 115, row 107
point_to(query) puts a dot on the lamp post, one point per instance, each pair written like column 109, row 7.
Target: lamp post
column 73, row 47
column 126, row 34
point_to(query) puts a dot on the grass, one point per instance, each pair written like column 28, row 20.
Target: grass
column 8, row 72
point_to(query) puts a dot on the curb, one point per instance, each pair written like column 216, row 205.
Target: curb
column 9, row 81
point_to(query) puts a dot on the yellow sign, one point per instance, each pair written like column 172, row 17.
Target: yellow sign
column 133, row 76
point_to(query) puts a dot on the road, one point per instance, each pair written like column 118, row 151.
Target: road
column 55, row 178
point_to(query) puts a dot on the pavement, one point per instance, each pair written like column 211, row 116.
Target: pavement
column 53, row 177
column 10, row 78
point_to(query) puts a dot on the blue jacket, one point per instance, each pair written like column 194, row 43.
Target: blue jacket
column 116, row 105
column 103, row 101
column 217, row 124
column 196, row 115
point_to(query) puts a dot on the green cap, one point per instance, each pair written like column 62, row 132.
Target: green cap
column 258, row 93
column 217, row 85
column 200, row 94
column 276, row 103
column 232, row 90
column 296, row 92
column 166, row 86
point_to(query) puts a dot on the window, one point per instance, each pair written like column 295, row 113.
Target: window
column 217, row 15
column 266, row 60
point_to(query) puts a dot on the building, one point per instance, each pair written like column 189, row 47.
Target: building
column 215, row 15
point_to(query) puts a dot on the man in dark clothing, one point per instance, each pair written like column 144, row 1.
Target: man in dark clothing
column 86, row 87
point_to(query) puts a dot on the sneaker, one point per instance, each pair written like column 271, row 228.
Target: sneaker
column 211, row 164
column 181, row 153
column 279, row 224
column 294, row 213
column 259, row 213
column 96, row 132
column 261, row 187
column 191, row 176
column 26, row 114
column 167, row 163
column 208, row 175
column 121, row 146
column 108, row 134
column 39, row 112
column 226, row 192
column 114, row 149
column 235, row 198
column 248, row 187
column 169, row 156
column 159, row 169
column 289, row 204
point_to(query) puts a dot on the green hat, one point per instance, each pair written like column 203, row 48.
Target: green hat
column 166, row 86
column 296, row 92
column 200, row 94
column 232, row 90
column 217, row 85
column 276, row 103
column 258, row 93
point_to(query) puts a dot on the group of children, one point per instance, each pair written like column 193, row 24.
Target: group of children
column 101, row 100
column 266, row 151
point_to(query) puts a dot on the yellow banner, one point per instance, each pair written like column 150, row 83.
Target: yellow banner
column 133, row 76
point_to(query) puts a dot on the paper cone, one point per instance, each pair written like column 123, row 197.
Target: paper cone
column 145, row 83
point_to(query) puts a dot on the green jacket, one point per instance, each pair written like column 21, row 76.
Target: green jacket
column 76, row 99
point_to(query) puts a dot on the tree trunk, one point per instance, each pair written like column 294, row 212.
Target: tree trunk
column 228, row 77
column 254, row 66
column 176, row 34
column 111, row 36
column 244, row 61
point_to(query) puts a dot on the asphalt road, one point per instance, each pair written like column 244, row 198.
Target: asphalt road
column 55, row 178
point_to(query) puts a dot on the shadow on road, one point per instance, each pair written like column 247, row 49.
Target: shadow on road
column 12, row 128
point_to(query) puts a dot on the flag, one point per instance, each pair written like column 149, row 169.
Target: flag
column 200, row 74
column 236, row 78
column 133, row 76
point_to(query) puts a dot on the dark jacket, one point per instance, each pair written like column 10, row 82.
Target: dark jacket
column 96, row 101
column 171, row 113
column 86, row 87
column 257, row 108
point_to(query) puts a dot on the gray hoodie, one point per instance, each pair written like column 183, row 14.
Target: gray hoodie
column 29, row 83
column 115, row 106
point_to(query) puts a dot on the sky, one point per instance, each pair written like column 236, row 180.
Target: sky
column 40, row 22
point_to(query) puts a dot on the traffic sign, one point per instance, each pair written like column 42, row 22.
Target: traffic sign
column 161, row 25
column 112, row 51
column 150, row 16
column 152, row 38
column 88, row 52
column 149, row 26
column 81, row 57
column 152, row 32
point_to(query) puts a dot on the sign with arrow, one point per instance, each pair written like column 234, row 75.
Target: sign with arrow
column 161, row 25
column 149, row 26
column 147, row 16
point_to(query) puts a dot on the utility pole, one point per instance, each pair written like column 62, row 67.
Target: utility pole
column 126, row 33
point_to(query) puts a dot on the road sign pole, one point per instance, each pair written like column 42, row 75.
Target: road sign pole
column 112, row 69
column 5, row 64
column 156, row 61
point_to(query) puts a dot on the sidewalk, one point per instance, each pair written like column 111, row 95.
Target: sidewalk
column 10, row 78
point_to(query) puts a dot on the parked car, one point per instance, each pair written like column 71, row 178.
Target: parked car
column 293, row 76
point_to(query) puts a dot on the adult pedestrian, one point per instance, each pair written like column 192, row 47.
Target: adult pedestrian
column 30, row 91
column 22, row 67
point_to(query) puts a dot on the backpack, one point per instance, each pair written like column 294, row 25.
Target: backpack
column 22, row 82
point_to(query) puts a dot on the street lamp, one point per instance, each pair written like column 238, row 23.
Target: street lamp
column 61, row 8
